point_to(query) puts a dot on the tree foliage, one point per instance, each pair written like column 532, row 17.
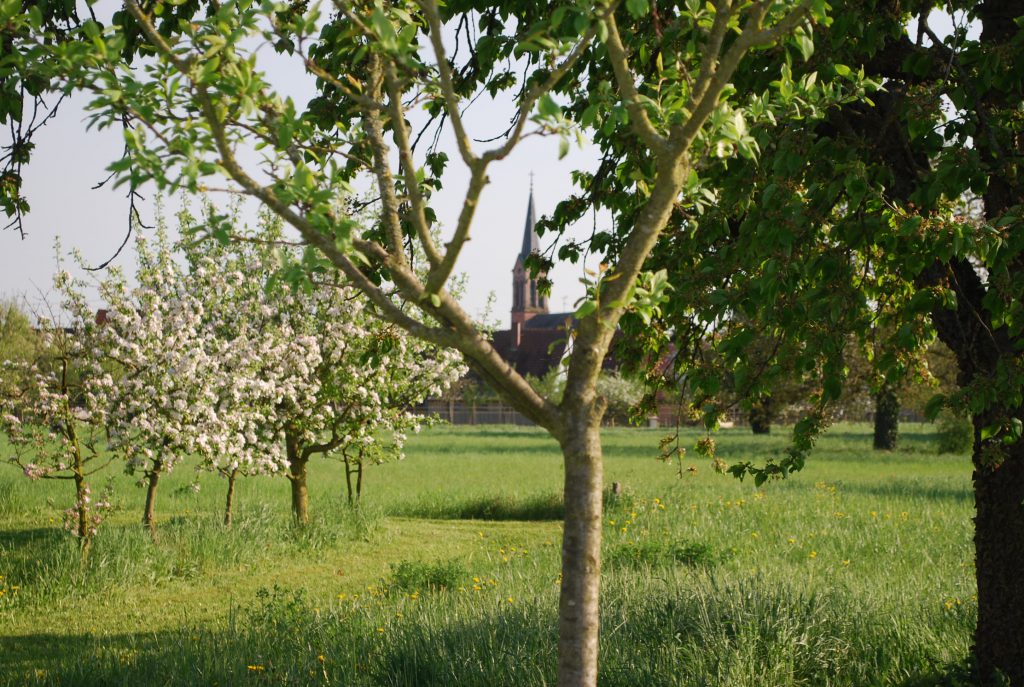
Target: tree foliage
column 659, row 88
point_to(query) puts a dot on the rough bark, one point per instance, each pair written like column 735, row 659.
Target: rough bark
column 999, row 550
column 229, row 501
column 578, row 605
column 887, row 418
column 152, row 478
column 297, row 475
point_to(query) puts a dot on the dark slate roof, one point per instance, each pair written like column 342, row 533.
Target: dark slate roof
column 539, row 350
column 531, row 242
column 555, row 320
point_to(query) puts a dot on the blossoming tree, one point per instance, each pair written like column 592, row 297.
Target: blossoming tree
column 308, row 365
column 53, row 410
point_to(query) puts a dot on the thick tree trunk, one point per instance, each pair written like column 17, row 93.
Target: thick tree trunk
column 578, row 605
column 760, row 417
column 229, row 501
column 887, row 418
column 297, row 475
column 153, row 477
column 999, row 551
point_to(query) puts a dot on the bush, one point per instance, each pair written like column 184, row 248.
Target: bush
column 415, row 576
column 955, row 433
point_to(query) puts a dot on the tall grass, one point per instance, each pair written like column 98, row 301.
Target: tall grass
column 857, row 572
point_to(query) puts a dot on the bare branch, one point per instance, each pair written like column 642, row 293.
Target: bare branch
column 401, row 131
column 451, row 98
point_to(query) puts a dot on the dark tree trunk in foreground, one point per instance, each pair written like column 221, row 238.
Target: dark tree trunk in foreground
column 999, row 555
column 152, row 477
column 229, row 501
column 983, row 355
column 297, row 476
column 887, row 418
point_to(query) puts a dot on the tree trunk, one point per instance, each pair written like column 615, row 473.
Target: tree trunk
column 999, row 550
column 297, row 475
column 887, row 418
column 229, row 501
column 359, row 481
column 760, row 417
column 348, row 479
column 578, row 604
column 153, row 477
column 82, row 508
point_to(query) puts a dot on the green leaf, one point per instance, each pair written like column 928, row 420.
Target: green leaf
column 637, row 8
column 547, row 107
column 585, row 309
column 934, row 406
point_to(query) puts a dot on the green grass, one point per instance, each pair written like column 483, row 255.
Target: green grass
column 857, row 571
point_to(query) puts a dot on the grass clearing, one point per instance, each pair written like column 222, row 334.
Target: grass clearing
column 857, row 571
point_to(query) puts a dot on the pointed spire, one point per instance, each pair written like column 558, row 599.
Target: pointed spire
column 531, row 242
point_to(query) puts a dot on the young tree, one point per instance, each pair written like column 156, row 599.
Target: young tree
column 163, row 405
column 53, row 410
column 202, row 101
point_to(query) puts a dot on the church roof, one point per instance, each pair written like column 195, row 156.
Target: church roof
column 538, row 351
column 554, row 320
column 531, row 242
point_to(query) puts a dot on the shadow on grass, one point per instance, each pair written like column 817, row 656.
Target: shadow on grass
column 736, row 635
column 907, row 489
column 34, row 536
column 532, row 508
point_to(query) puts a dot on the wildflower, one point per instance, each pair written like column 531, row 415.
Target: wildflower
column 510, row 599
column 320, row 658
column 812, row 554
column 256, row 668
column 846, row 561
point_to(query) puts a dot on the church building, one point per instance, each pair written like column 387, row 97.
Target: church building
column 537, row 338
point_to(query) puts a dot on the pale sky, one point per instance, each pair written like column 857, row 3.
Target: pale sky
column 68, row 162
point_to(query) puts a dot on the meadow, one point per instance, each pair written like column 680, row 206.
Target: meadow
column 857, row 571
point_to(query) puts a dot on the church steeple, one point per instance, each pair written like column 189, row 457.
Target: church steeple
column 531, row 242
column 527, row 300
